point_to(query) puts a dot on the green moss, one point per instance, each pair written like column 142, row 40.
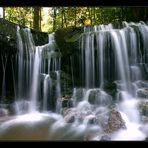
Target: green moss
column 67, row 40
column 73, row 38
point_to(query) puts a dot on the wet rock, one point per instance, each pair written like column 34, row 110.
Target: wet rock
column 64, row 103
column 67, row 111
column 70, row 119
column 115, row 122
column 141, row 84
column 70, row 103
column 144, row 129
column 90, row 119
column 21, row 107
column 99, row 97
column 92, row 133
column 144, row 119
column 27, row 127
column 82, row 116
column 68, row 39
column 3, row 112
column 102, row 115
column 67, row 102
column 79, row 94
column 143, row 107
column 8, row 38
column 146, row 139
column 6, row 118
column 105, row 138
column 69, row 115
column 142, row 93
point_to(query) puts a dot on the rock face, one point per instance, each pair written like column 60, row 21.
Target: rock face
column 67, row 39
column 115, row 122
column 142, row 93
column 143, row 107
column 3, row 112
column 105, row 138
column 8, row 51
column 27, row 127
column 8, row 37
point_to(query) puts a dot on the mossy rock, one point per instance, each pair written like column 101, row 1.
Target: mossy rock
column 73, row 38
column 67, row 39
column 143, row 107
column 8, row 37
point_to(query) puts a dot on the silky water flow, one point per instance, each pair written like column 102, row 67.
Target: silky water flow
column 107, row 55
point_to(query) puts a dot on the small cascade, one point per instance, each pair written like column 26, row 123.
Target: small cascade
column 122, row 60
column 88, row 61
column 35, row 62
column 46, row 83
column 111, row 72
column 58, row 93
column 100, row 44
column 34, row 88
column 117, row 56
column 20, row 64
column 24, row 61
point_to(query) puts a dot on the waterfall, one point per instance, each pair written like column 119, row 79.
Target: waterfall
column 122, row 63
column 20, row 63
column 46, row 83
column 33, row 62
column 100, row 50
column 88, row 60
column 34, row 87
column 111, row 72
column 118, row 55
column 58, row 93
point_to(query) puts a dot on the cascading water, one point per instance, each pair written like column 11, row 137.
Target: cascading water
column 114, row 55
column 33, row 64
column 58, row 92
column 46, row 82
column 113, row 65
column 34, row 87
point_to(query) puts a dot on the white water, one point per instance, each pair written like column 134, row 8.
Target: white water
column 100, row 44
column 58, row 93
column 92, row 103
column 34, row 87
column 45, row 91
column 133, row 132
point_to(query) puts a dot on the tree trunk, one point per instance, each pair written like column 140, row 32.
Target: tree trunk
column 65, row 22
column 40, row 20
column 94, row 16
column 75, row 16
column 54, row 19
column 62, row 18
column 36, row 18
column 3, row 12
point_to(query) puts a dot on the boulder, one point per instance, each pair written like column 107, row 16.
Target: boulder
column 8, row 37
column 142, row 93
column 3, row 112
column 115, row 122
column 67, row 39
column 143, row 107
column 105, row 138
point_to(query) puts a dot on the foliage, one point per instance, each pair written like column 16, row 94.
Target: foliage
column 20, row 15
column 62, row 17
